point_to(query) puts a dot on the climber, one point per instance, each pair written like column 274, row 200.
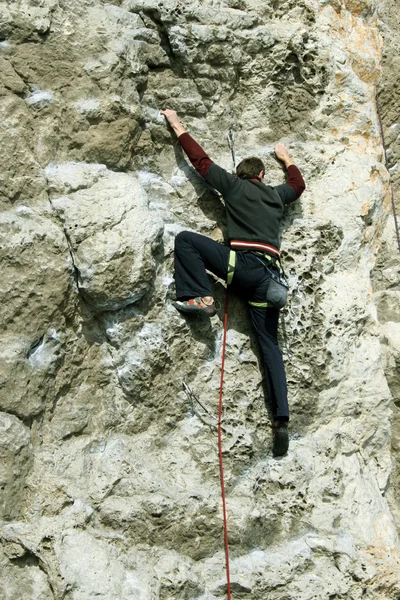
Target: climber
column 254, row 213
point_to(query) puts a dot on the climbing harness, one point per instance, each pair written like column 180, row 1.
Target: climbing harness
column 255, row 247
column 396, row 226
column 278, row 286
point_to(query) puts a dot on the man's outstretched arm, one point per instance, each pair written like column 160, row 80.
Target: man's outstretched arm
column 295, row 179
column 199, row 159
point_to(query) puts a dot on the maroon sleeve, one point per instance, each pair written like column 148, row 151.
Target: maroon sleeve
column 295, row 180
column 196, row 154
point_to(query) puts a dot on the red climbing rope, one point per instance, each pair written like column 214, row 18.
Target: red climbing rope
column 221, row 468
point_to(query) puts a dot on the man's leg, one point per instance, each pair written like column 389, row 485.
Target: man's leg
column 265, row 322
column 251, row 280
column 194, row 254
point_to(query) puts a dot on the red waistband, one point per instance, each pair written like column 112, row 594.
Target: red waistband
column 258, row 246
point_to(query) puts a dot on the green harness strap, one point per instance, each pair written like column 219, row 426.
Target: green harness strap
column 260, row 304
column 231, row 271
column 231, row 266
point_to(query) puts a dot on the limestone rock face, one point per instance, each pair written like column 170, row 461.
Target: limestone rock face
column 386, row 275
column 16, row 460
column 109, row 477
column 111, row 233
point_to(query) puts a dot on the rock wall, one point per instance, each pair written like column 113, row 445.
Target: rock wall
column 109, row 475
column 386, row 274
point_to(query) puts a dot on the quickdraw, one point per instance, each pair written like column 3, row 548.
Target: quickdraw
column 231, row 143
column 193, row 398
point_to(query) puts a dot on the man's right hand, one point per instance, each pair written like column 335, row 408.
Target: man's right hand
column 173, row 120
column 282, row 154
column 171, row 116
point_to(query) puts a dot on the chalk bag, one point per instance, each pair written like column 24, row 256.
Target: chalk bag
column 277, row 291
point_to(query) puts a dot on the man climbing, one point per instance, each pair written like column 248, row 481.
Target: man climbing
column 254, row 212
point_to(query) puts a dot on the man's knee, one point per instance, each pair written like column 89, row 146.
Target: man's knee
column 183, row 237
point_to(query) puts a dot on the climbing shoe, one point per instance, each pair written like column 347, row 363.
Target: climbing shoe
column 281, row 438
column 195, row 306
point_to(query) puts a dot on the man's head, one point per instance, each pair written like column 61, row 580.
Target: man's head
column 250, row 167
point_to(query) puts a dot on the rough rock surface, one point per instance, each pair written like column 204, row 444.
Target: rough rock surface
column 386, row 275
column 109, row 476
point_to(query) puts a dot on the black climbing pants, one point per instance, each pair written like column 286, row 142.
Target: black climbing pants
column 194, row 254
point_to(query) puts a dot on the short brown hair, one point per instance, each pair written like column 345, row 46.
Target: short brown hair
column 250, row 167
